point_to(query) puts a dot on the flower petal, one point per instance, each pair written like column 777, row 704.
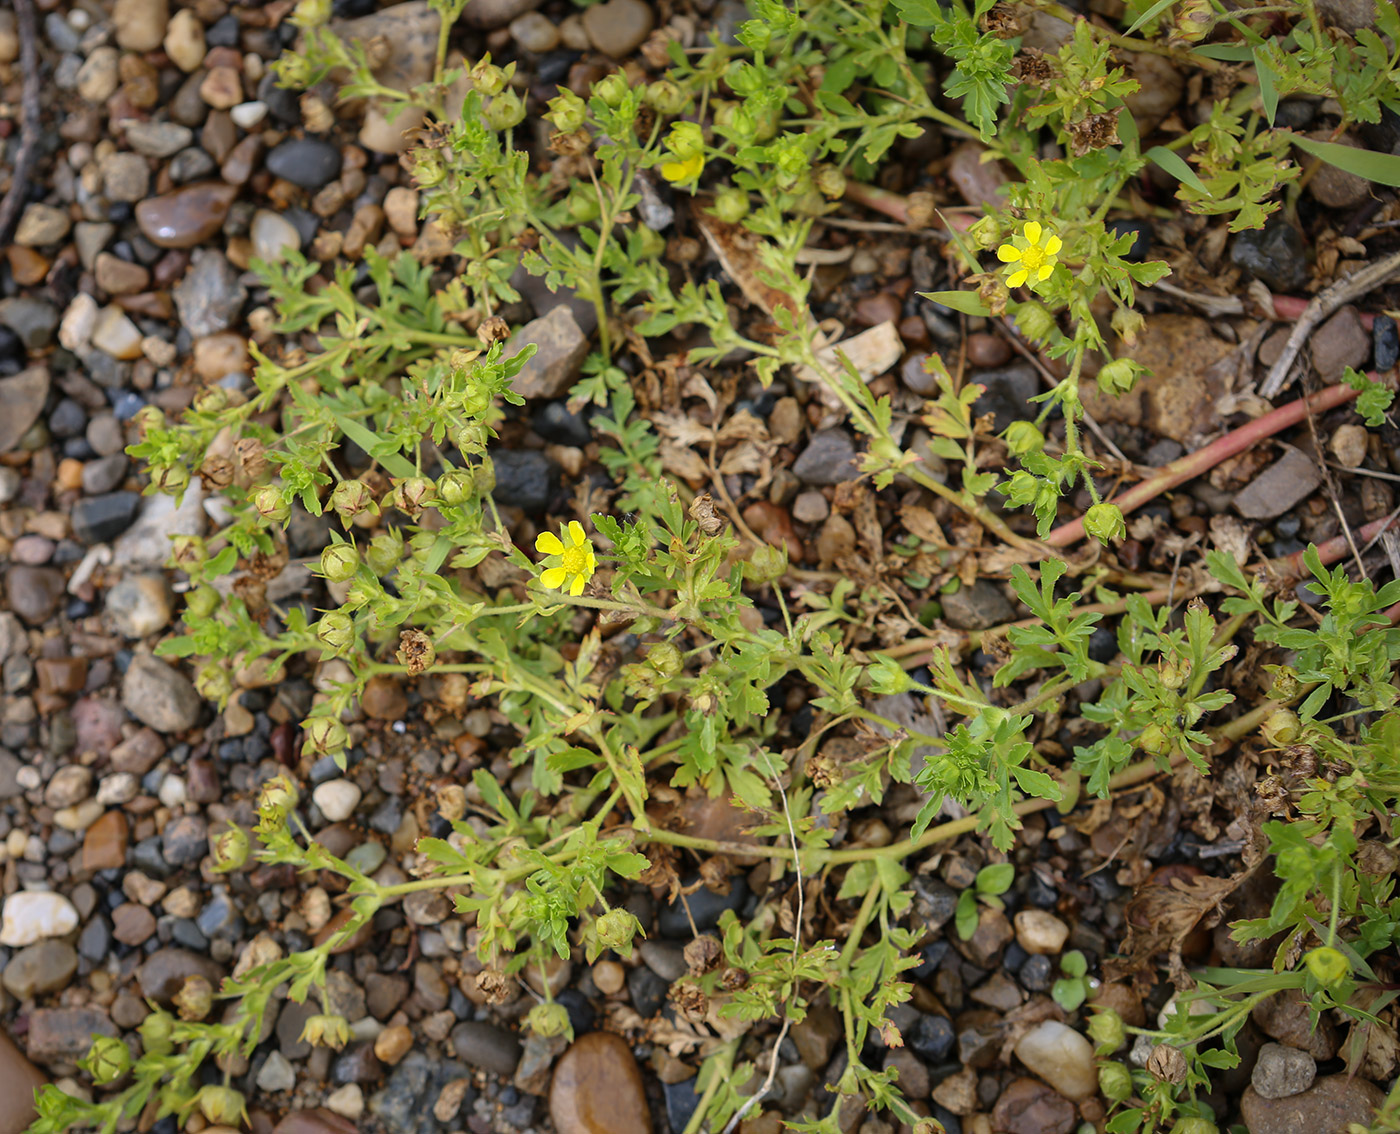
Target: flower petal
column 1008, row 253
column 576, row 587
column 592, row 563
column 576, row 533
column 1016, row 279
column 1045, row 270
column 1033, row 231
column 554, row 577
column 1053, row 245
column 548, row 543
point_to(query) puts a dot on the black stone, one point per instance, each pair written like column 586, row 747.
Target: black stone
column 1036, row 974
column 647, row 990
column 1007, row 394
column 1274, row 254
column 931, row 1038
column 185, row 933
column 554, row 422
column 68, row 419
column 705, row 908
column 1103, row 644
column 308, row 162
column 283, row 104
column 681, row 1101
column 580, row 1011
column 525, row 479
column 935, row 901
column 100, row 519
column 223, row 32
column 1386, row 342
column 95, row 940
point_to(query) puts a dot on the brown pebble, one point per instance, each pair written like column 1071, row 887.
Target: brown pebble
column 392, row 1044
column 104, row 845
column 132, row 924
column 27, row 266
column 609, row 976
column 987, row 350
column 597, row 1089
column 874, row 309
column 187, row 216
column 242, row 160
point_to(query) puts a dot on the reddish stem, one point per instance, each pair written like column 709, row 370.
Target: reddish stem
column 1337, row 547
column 1195, row 464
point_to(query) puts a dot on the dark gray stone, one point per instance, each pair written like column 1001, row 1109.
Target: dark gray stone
column 308, row 162
column 100, row 519
column 1274, row 254
column 525, row 479
column 487, row 1047
column 830, row 458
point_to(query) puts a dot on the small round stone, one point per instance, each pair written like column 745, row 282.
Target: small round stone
column 337, row 799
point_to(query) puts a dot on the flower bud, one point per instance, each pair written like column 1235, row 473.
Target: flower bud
column 616, row 928
column 212, row 683
column 149, row 418
column 428, row 168
column 1023, row 438
column 222, row 1106
column 352, row 497
column 611, row 90
column 765, row 565
column 1282, row 727
column 107, row 1060
column 666, row 659
column 985, row 233
column 1285, row 686
column 229, row 848
column 548, row 1019
column 1174, row 672
column 830, row 182
column 583, row 203
column 324, row 735
column 1166, row 1064
column 1154, row 741
column 336, row 631
column 1128, row 324
column 362, row 592
column 1106, row 1029
column 156, row 1031
column 267, row 499
column 666, row 97
column 384, row 551
column 202, row 601
column 489, row 79
column 1104, row 522
column 567, row 112
column 339, row 562
column 195, row 1000
column 506, row 111
column 412, row 494
column 731, row 205
column 211, row 399
column 311, row 13
column 1115, row 1082
column 188, row 553
column 1194, row 19
column 326, row 1031
column 1118, row 376
column 1327, row 965
column 278, row 794
column 1194, row 1124
column 171, row 479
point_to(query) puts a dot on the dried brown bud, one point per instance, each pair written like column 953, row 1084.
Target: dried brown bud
column 1032, row 68
column 494, row 985
column 1166, row 1064
column 452, row 802
column 215, row 473
column 703, row 954
column 732, row 979
column 702, row 511
column 195, row 999
column 416, row 651
column 572, row 144
column 493, row 330
column 252, row 457
column 690, row 1002
column 714, row 873
column 1093, row 132
column 1004, row 21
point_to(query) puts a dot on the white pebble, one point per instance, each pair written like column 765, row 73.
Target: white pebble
column 1062, row 1057
column 172, row 791
column 33, row 915
column 337, row 799
column 348, row 1101
column 248, row 114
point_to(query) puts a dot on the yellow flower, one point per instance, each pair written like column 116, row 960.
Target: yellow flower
column 686, row 170
column 1034, row 259
column 571, row 559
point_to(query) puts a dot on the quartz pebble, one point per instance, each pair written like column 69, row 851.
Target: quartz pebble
column 1060, row 1056
column 1038, row 931
column 33, row 915
column 337, row 799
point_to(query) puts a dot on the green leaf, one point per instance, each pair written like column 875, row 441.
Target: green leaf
column 968, row 302
column 965, row 919
column 996, row 879
column 1074, row 964
column 1268, row 87
column 1383, row 169
column 1151, row 14
column 1069, row 993
column 181, row 647
column 1176, row 165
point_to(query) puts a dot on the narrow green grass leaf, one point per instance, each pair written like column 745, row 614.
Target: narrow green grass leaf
column 1176, row 165
column 1383, row 169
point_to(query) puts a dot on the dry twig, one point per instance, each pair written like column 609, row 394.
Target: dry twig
column 29, row 119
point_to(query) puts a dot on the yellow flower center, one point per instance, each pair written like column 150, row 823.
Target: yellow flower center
column 574, row 560
column 1032, row 258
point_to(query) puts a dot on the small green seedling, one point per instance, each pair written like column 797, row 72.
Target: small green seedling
column 991, row 882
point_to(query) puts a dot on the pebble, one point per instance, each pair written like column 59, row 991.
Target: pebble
column 1336, row 188
column 597, row 1089
column 1279, row 488
column 19, row 1079
column 69, row 785
column 830, row 458
column 139, row 605
column 1275, row 254
column 1160, row 87
column 270, row 234
column 1348, row 445
column 187, row 216
column 98, row 77
column 337, row 799
column 1038, row 931
column 125, row 177
column 534, row 32
column 1060, row 1056
column 184, row 40
column 525, row 479
column 40, row 225
column 158, row 139
column 116, row 335
column 931, row 1038
column 618, row 27
column 979, row 182
column 276, row 1074
column 100, row 519
column 184, row 840
column 392, row 1044
column 486, row 1046
column 132, row 924
column 104, row 845
column 104, row 474
column 140, row 24
column 987, row 350
column 977, row 607
column 1282, row 1071
column 210, row 296
column 115, row 276
column 1027, row 1106
column 248, row 115
column 164, row 972
column 41, row 968
column 23, row 395
column 33, row 915
column 1340, row 342
column 318, row 1121
column 159, row 695
column 562, row 347
column 1386, row 342
column 34, row 592
column 1327, row 1107
column 484, row 15
column 347, row 1101
column 307, row 162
